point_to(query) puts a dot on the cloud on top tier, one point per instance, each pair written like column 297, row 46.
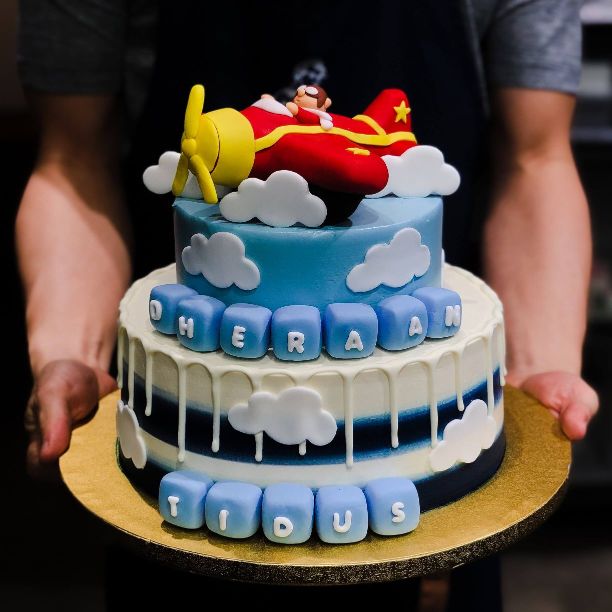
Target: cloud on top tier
column 159, row 178
column 394, row 264
column 280, row 201
column 418, row 172
column 221, row 260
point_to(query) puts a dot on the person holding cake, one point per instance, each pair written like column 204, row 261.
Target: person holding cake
column 75, row 235
column 79, row 120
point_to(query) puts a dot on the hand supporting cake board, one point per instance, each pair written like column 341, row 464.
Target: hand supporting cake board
column 528, row 487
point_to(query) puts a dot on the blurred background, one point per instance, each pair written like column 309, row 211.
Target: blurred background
column 54, row 550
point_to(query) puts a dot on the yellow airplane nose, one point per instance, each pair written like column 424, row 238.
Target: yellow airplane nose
column 218, row 147
column 235, row 154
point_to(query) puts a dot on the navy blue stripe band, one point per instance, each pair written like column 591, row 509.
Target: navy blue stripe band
column 371, row 435
column 435, row 491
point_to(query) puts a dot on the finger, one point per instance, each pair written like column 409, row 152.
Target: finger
column 40, row 471
column 575, row 419
column 30, row 417
column 588, row 396
column 33, row 453
column 32, row 427
column 48, row 472
column 550, row 388
column 55, row 425
column 106, row 383
column 82, row 388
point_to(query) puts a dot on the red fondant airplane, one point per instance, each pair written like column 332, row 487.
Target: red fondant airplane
column 338, row 153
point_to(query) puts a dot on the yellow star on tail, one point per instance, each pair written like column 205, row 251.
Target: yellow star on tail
column 401, row 112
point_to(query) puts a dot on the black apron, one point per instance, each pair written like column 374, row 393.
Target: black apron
column 240, row 50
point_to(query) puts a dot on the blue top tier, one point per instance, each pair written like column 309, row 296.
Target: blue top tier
column 300, row 265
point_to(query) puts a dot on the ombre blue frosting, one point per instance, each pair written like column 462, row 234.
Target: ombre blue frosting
column 309, row 266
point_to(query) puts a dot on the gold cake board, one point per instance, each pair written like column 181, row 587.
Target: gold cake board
column 522, row 495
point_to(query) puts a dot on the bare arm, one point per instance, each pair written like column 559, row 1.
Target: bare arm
column 537, row 250
column 72, row 245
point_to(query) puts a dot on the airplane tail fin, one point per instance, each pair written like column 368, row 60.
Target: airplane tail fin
column 391, row 110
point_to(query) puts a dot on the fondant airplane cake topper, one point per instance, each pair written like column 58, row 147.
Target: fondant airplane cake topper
column 342, row 159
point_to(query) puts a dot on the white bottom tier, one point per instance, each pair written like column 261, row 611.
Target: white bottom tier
column 425, row 413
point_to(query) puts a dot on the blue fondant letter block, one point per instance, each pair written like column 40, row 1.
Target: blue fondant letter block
column 233, row 509
column 287, row 513
column 245, row 330
column 443, row 310
column 341, row 514
column 182, row 496
column 350, row 330
column 296, row 333
column 163, row 302
column 199, row 320
column 393, row 505
column 402, row 322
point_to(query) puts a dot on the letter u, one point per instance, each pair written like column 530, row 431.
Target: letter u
column 348, row 517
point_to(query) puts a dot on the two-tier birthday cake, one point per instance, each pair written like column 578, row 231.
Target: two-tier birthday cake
column 309, row 363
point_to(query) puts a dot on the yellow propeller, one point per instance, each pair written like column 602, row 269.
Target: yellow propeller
column 190, row 159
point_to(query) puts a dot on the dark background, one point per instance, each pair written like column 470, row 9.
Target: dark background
column 53, row 551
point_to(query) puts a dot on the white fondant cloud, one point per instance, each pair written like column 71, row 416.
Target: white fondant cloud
column 221, row 260
column 393, row 264
column 419, row 172
column 158, row 179
column 464, row 438
column 132, row 444
column 294, row 416
column 280, row 201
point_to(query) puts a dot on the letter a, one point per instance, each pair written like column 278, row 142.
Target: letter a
column 415, row 326
column 353, row 341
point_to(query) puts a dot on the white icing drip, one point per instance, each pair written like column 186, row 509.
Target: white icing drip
column 501, row 347
column 347, row 391
column 302, row 448
column 393, row 408
column 433, row 401
column 489, row 366
column 458, row 380
column 216, row 402
column 148, row 381
column 348, row 418
column 131, row 366
column 256, row 386
column 182, row 406
column 259, row 446
column 120, row 357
